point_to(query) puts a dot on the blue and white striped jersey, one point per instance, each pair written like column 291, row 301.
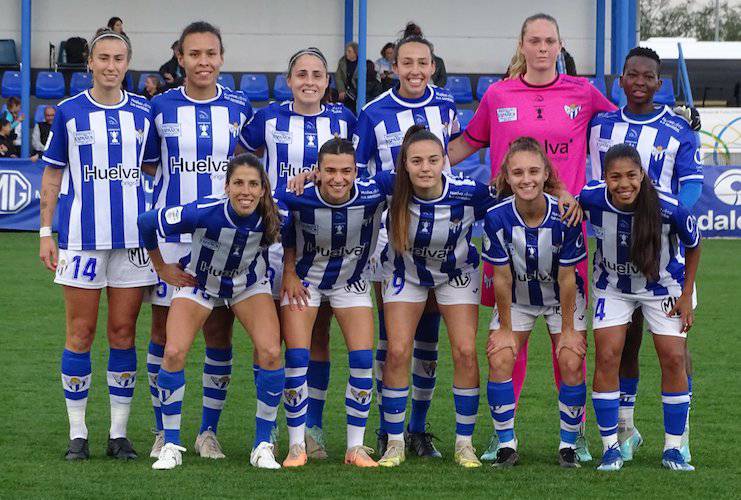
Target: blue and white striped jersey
column 292, row 140
column 383, row 122
column 333, row 242
column 440, row 235
column 534, row 254
column 612, row 269
column 194, row 141
column 669, row 149
column 226, row 255
column 101, row 149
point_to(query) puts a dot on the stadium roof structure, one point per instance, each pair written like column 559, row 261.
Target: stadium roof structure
column 693, row 49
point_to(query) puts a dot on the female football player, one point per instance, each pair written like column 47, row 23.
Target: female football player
column 93, row 165
column 535, row 101
column 639, row 263
column 534, row 254
column 290, row 135
column 226, row 265
column 430, row 226
column 336, row 223
column 197, row 127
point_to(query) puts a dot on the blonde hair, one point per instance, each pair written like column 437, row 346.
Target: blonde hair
column 518, row 65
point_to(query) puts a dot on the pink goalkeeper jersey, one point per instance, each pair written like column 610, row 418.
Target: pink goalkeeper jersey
column 556, row 114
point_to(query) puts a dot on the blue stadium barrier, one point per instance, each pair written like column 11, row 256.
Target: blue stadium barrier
column 464, row 117
column 483, row 84
column 143, row 81
column 255, row 86
column 460, row 87
column 50, row 85
column 79, row 82
column 665, row 94
column 599, row 84
column 281, row 92
column 227, row 80
column 38, row 115
column 11, row 86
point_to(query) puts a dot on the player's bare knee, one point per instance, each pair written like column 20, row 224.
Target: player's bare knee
column 501, row 365
column 269, row 357
column 397, row 354
column 464, row 357
column 122, row 336
column 673, row 362
column 174, row 357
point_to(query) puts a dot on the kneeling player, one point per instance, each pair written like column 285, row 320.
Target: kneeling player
column 336, row 224
column 227, row 264
column 638, row 264
column 531, row 247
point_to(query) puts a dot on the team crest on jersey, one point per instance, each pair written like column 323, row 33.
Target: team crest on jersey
column 293, row 396
column 455, row 225
column 114, row 131
column 311, row 140
column 139, row 135
column 124, row 379
column 420, row 119
column 234, row 129
column 221, row 382
column 572, row 110
column 658, row 152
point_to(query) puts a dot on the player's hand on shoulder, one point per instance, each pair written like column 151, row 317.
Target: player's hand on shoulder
column 174, row 275
column 292, row 288
column 296, row 184
column 569, row 208
column 48, row 252
column 691, row 115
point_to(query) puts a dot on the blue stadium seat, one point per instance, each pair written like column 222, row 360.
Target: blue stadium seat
column 460, row 87
column 472, row 168
column 255, row 86
column 599, row 84
column 38, row 116
column 8, row 54
column 129, row 81
column 332, row 83
column 464, row 116
column 616, row 92
column 227, row 80
column 665, row 94
column 80, row 81
column 50, row 85
column 281, row 92
column 483, row 84
column 143, row 81
column 11, row 85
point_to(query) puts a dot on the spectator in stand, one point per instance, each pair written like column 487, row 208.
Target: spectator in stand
column 440, row 76
column 40, row 132
column 13, row 112
column 171, row 71
column 347, row 70
column 384, row 66
column 151, row 87
column 116, row 24
column 7, row 136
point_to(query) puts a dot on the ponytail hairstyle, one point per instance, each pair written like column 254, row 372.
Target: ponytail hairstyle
column 412, row 33
column 646, row 231
column 266, row 207
column 403, row 191
column 335, row 146
column 518, row 65
column 529, row 145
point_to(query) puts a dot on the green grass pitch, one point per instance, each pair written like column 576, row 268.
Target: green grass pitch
column 34, row 433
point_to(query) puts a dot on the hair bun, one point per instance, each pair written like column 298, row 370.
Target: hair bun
column 412, row 29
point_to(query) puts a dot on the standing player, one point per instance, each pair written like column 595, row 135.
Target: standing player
column 430, row 225
column 534, row 254
column 670, row 155
column 382, row 125
column 639, row 263
column 335, row 227
column 93, row 164
column 290, row 134
column 535, row 101
column 227, row 264
column 197, row 127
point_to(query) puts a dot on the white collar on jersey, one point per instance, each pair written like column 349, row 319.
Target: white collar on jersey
column 122, row 102
column 219, row 90
column 444, row 193
column 545, row 217
column 231, row 220
column 341, row 205
column 643, row 122
column 411, row 104
column 321, row 110
column 609, row 204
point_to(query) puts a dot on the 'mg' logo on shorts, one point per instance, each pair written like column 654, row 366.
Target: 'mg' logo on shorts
column 138, row 257
column 461, row 281
column 358, row 288
column 668, row 304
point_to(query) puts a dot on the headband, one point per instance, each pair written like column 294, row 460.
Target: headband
column 313, row 51
column 109, row 35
